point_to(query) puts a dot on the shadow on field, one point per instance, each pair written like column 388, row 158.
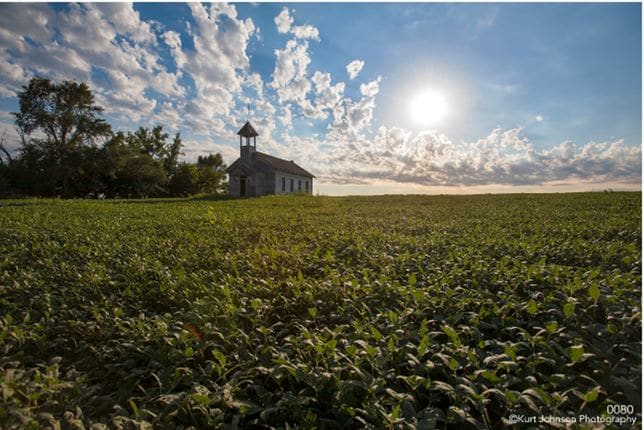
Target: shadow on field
column 163, row 200
column 213, row 198
column 6, row 203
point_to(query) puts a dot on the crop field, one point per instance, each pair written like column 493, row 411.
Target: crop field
column 321, row 312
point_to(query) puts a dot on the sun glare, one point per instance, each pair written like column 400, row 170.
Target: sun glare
column 428, row 108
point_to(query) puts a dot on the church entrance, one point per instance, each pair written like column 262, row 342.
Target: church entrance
column 242, row 185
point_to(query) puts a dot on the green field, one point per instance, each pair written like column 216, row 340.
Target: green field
column 320, row 312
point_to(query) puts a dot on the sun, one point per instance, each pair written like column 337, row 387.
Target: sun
column 428, row 108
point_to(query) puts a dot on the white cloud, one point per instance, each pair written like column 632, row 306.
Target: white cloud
column 7, row 91
column 504, row 157
column 286, row 118
column 289, row 76
column 539, row 118
column 87, row 38
column 173, row 40
column 60, row 61
column 254, row 80
column 169, row 116
column 217, row 65
column 370, row 89
column 9, row 134
column 354, row 68
column 167, row 83
column 352, row 117
column 193, row 148
column 127, row 21
column 283, row 21
column 85, row 28
column 220, row 48
column 36, row 18
column 13, row 72
column 328, row 96
column 306, row 32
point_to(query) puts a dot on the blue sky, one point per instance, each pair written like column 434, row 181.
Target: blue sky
column 534, row 97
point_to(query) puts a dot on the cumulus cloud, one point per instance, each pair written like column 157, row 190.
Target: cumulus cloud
column 8, row 134
column 83, row 41
column 217, row 65
column 306, row 32
column 11, row 71
column 254, row 80
column 284, row 22
column 370, row 89
column 173, row 40
column 328, row 96
column 127, row 21
column 503, row 157
column 37, row 18
column 193, row 148
column 354, row 68
column 220, row 42
column 539, row 118
column 352, row 117
column 289, row 76
column 286, row 116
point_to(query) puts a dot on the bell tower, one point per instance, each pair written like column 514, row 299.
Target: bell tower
column 247, row 131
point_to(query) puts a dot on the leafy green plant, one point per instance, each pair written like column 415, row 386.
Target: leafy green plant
column 319, row 312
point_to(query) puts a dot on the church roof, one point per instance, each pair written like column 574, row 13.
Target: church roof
column 277, row 164
column 247, row 131
column 283, row 165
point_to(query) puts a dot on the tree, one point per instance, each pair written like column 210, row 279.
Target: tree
column 212, row 178
column 205, row 177
column 5, row 157
column 60, row 128
column 153, row 142
column 128, row 171
column 171, row 160
column 6, row 162
column 65, row 114
column 185, row 181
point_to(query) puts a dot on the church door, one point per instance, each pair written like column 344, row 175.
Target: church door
column 242, row 186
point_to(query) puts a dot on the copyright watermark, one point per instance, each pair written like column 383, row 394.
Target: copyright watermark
column 575, row 419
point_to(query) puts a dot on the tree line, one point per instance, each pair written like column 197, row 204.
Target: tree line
column 68, row 150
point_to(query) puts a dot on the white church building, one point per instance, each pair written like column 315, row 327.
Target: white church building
column 256, row 173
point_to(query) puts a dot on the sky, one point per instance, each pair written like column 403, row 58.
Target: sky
column 372, row 98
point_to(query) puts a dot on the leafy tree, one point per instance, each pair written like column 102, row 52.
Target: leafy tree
column 5, row 156
column 60, row 128
column 66, row 122
column 153, row 142
column 6, row 162
column 171, row 159
column 205, row 177
column 212, row 178
column 185, row 181
column 128, row 171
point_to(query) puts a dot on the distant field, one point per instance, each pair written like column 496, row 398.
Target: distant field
column 391, row 311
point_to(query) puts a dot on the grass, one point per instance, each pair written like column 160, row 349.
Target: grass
column 320, row 312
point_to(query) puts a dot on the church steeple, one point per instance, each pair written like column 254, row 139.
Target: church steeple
column 247, row 131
